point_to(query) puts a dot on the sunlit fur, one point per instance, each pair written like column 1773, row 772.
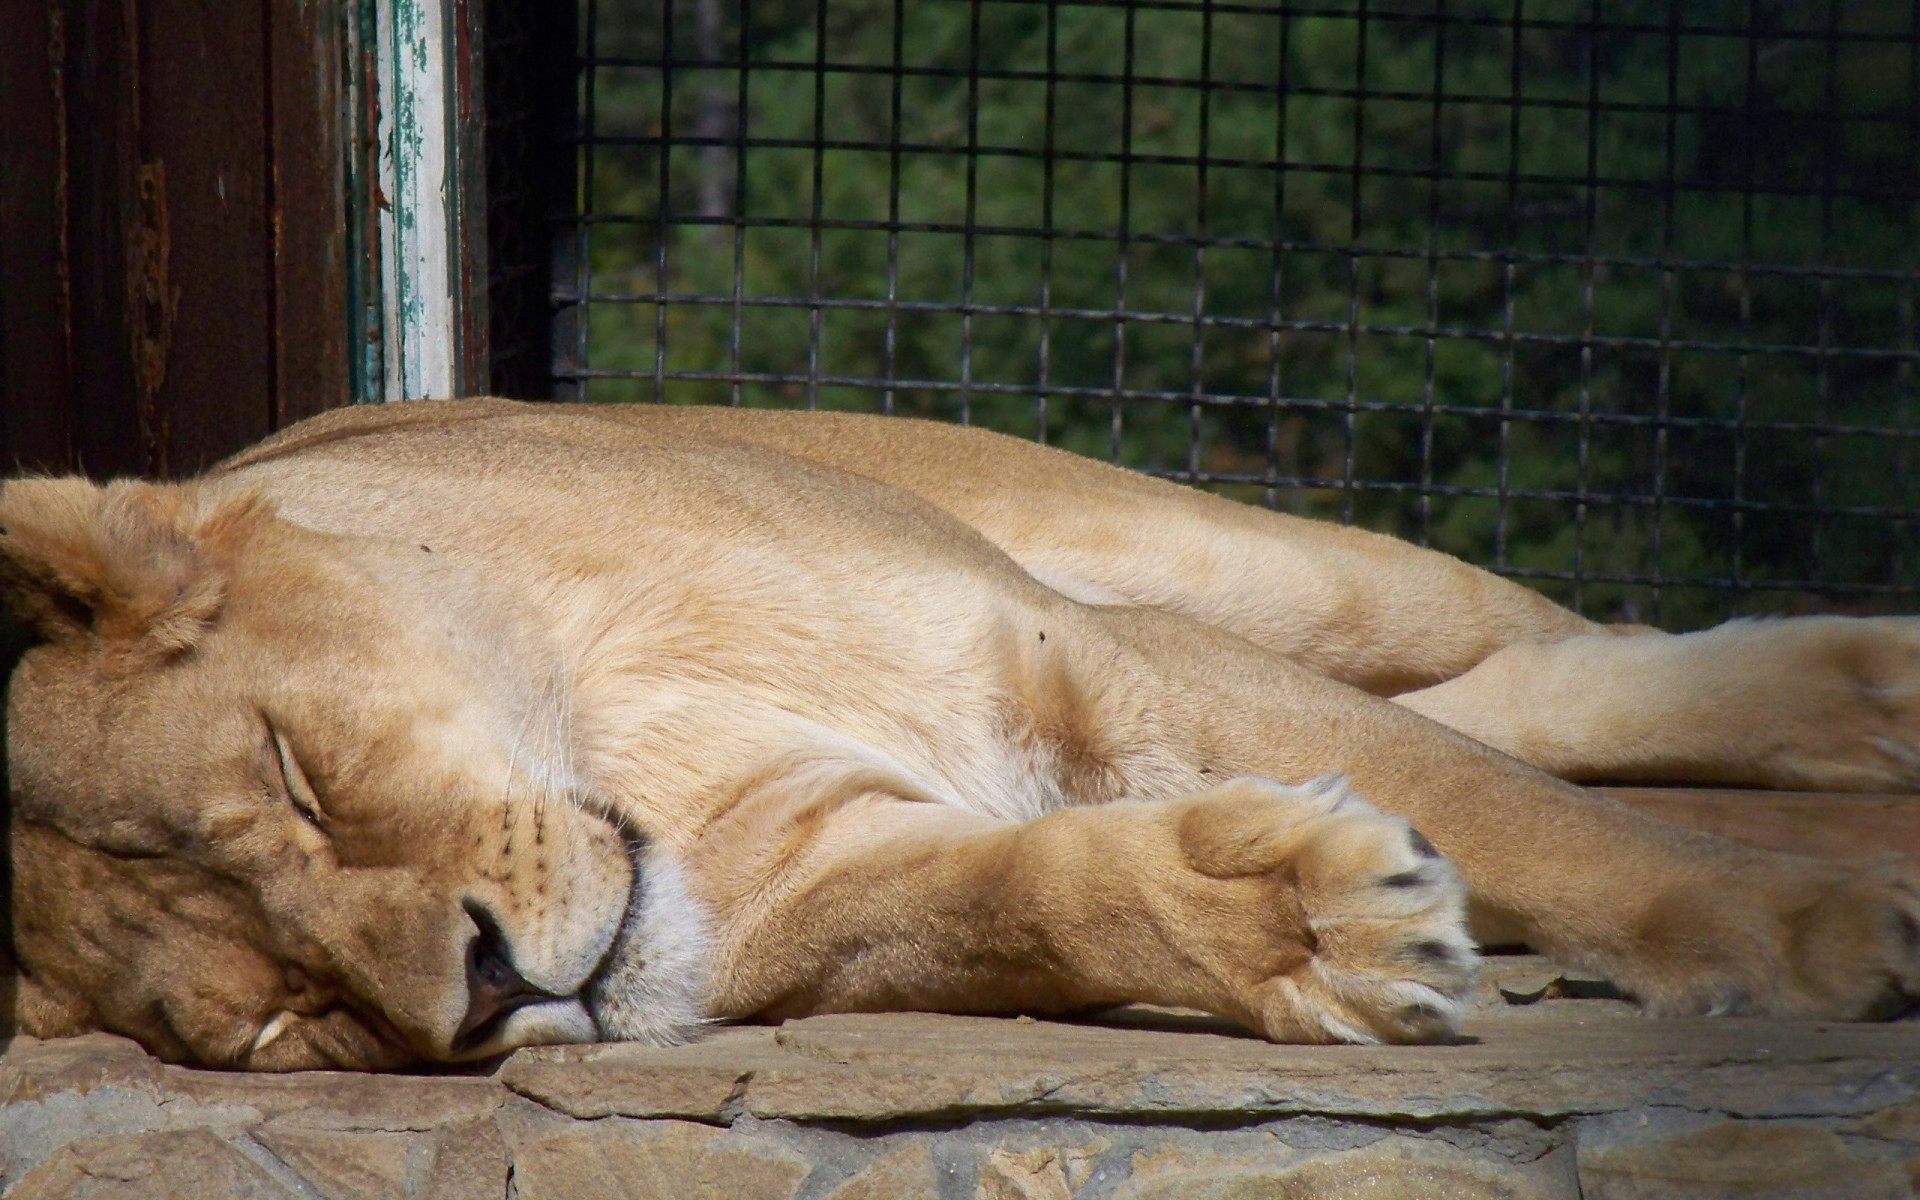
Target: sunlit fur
column 715, row 715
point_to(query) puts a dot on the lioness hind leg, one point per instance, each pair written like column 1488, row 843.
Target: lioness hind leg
column 1370, row 611
column 1821, row 703
column 1303, row 913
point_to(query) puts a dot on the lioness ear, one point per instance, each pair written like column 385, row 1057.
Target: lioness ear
column 126, row 562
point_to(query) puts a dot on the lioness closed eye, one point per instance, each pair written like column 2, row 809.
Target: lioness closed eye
column 429, row 731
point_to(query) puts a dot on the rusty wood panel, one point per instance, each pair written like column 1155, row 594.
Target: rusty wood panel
column 36, row 430
column 1838, row 826
column 200, row 247
column 307, row 196
column 153, row 314
column 101, row 82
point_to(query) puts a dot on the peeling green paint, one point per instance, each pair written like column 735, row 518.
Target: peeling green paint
column 401, row 185
column 361, row 121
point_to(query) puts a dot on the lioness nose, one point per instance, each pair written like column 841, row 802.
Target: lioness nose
column 494, row 988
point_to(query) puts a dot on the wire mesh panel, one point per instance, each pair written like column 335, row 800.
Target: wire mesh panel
column 1615, row 297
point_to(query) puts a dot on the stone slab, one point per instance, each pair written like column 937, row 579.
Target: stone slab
column 1546, row 1055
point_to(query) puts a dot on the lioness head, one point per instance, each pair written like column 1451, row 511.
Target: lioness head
column 284, row 799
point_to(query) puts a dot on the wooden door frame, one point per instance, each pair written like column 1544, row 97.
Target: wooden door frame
column 198, row 240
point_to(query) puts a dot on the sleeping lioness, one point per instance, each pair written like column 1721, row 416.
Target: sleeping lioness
column 428, row 731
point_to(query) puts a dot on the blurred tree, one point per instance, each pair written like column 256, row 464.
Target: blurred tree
column 1562, row 318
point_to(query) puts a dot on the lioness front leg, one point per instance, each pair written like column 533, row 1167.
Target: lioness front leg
column 1687, row 922
column 1302, row 913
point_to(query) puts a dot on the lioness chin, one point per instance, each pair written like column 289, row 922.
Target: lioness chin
column 429, row 731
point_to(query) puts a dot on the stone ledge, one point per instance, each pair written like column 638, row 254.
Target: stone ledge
column 1554, row 1094
column 917, row 1066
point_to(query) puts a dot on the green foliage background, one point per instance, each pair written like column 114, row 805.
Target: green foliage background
column 1393, row 322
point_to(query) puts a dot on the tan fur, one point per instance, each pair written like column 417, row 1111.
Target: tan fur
column 716, row 714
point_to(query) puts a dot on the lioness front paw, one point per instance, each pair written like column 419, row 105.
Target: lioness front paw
column 1383, row 953
column 1819, row 940
column 1855, row 952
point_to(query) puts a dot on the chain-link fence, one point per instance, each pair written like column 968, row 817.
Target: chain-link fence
column 1617, row 298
